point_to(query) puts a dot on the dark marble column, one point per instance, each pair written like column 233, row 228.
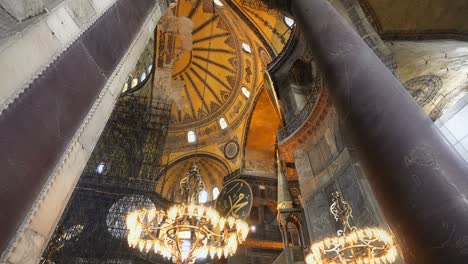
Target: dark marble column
column 419, row 180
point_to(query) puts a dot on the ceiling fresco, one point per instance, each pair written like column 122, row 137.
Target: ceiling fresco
column 210, row 59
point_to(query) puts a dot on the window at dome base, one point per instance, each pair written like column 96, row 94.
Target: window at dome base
column 246, row 92
column 218, row 3
column 134, row 82
column 215, row 193
column 191, row 136
column 223, row 123
column 203, row 197
column 289, row 21
column 143, row 77
column 246, row 47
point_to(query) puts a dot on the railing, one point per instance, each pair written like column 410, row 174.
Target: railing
column 302, row 116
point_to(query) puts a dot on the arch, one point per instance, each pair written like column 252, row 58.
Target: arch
column 260, row 136
column 213, row 169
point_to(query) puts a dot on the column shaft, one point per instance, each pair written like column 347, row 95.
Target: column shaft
column 419, row 180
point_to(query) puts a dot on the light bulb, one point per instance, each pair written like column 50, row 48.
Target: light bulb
column 201, row 210
column 191, row 209
column 231, row 221
column 222, row 222
column 172, row 212
column 214, row 218
column 151, row 214
column 141, row 215
column 141, row 245
column 157, row 247
column 132, row 220
column 212, row 252
column 149, row 245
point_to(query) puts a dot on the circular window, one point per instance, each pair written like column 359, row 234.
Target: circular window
column 231, row 149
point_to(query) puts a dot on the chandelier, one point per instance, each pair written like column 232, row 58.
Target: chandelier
column 352, row 245
column 186, row 231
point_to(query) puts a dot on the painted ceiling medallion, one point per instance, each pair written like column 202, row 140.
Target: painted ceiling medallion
column 235, row 200
column 231, row 150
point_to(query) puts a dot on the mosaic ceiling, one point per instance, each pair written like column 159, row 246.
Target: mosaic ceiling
column 213, row 53
column 210, row 59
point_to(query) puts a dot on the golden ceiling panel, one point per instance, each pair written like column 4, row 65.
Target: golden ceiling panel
column 216, row 59
column 210, row 71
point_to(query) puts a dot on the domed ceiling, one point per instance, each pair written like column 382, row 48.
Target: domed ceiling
column 211, row 56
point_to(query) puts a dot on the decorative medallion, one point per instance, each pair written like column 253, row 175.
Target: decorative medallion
column 231, row 149
column 424, row 88
column 235, row 200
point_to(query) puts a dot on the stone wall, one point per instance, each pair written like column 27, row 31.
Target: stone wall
column 44, row 153
column 325, row 164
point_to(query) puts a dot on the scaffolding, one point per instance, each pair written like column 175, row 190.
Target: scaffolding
column 120, row 176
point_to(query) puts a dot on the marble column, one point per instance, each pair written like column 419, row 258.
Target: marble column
column 419, row 180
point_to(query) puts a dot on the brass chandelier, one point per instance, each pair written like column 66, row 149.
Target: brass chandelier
column 352, row 245
column 186, row 231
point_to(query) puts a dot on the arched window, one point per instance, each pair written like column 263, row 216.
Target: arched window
column 246, row 47
column 223, row 123
column 191, row 136
column 134, row 82
column 125, row 87
column 203, row 197
column 215, row 193
column 149, row 68
column 143, row 77
column 246, row 92
column 289, row 21
column 218, row 3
